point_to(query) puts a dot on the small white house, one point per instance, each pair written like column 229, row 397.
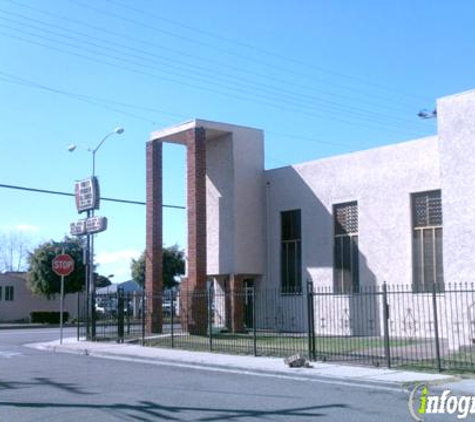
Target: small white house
column 17, row 301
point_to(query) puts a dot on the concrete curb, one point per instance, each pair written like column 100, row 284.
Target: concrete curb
column 323, row 372
column 218, row 367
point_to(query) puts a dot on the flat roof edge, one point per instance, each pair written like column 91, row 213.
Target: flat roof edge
column 469, row 92
column 402, row 144
column 174, row 130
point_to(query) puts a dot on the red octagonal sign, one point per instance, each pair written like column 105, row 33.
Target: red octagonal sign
column 63, row 264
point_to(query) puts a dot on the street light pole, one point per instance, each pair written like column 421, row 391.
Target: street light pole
column 90, row 281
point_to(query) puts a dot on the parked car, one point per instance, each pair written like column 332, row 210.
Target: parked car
column 167, row 308
column 106, row 306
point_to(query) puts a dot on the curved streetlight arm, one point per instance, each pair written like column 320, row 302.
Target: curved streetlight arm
column 118, row 131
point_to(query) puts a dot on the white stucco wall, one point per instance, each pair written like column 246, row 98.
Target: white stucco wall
column 249, row 226
column 381, row 180
column 220, row 205
column 235, row 201
column 456, row 125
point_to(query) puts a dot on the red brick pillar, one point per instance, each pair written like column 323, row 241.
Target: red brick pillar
column 227, row 304
column 194, row 292
column 154, row 238
column 237, row 303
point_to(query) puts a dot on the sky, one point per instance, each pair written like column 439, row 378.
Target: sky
column 321, row 78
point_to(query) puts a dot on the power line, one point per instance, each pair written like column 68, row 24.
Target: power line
column 392, row 105
column 262, row 99
column 270, row 92
column 148, row 52
column 97, row 102
column 224, row 50
column 55, row 192
column 145, row 55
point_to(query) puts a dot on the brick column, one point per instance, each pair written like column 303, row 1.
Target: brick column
column 154, row 238
column 237, row 294
column 194, row 292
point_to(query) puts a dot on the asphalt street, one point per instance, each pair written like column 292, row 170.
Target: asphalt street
column 40, row 385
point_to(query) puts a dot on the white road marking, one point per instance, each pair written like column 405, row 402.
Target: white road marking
column 9, row 355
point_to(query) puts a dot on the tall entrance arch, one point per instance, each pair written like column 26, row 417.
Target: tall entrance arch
column 225, row 210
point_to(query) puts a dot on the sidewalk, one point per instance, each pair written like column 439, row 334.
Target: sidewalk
column 325, row 372
column 29, row 325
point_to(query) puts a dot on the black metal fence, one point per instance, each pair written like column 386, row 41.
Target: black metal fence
column 117, row 317
column 381, row 325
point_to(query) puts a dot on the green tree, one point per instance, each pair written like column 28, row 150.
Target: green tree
column 173, row 265
column 137, row 269
column 41, row 278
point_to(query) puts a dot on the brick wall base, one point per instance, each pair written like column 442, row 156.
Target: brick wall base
column 193, row 309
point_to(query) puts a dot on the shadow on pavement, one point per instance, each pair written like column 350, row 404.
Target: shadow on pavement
column 147, row 411
column 42, row 381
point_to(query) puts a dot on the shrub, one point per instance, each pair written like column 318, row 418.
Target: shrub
column 47, row 317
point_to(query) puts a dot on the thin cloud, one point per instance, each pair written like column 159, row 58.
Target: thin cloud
column 117, row 256
column 117, row 263
column 27, row 228
column 19, row 228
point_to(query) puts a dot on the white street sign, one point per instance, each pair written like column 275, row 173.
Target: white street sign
column 87, row 194
column 96, row 224
column 78, row 228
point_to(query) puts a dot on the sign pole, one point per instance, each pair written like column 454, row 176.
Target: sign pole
column 61, row 306
column 61, row 311
column 87, row 199
column 62, row 265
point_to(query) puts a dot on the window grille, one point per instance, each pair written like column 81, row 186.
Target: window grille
column 345, row 251
column 427, row 249
column 427, row 209
column 346, row 218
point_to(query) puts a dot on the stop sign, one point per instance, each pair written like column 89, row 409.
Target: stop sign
column 63, row 264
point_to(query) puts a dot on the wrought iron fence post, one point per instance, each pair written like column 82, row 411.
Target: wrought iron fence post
column 79, row 306
column 210, row 315
column 172, row 312
column 127, row 308
column 436, row 326
column 86, row 316
column 254, row 329
column 143, row 307
column 311, row 321
column 387, row 345
column 120, row 315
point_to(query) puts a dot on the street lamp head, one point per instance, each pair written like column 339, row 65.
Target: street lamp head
column 119, row 130
column 72, row 147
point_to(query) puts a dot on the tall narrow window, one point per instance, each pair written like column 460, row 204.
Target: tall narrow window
column 291, row 252
column 9, row 293
column 345, row 253
column 427, row 264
